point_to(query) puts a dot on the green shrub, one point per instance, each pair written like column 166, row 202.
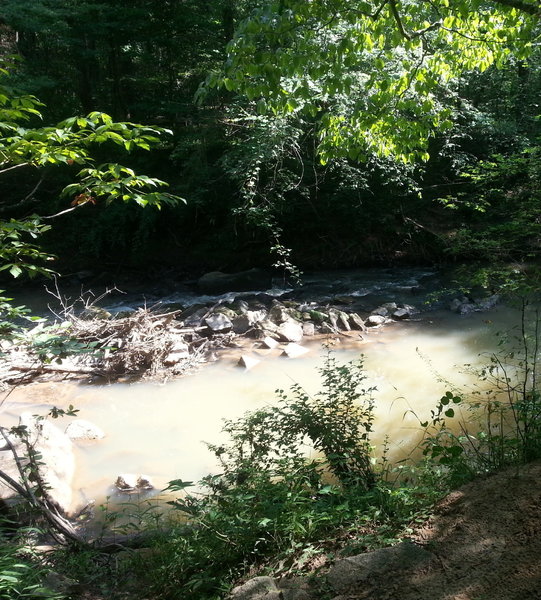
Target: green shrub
column 505, row 408
column 273, row 506
column 21, row 577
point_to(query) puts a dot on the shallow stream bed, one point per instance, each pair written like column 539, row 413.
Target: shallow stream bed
column 159, row 429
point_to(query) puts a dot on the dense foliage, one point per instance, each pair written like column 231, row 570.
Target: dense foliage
column 323, row 133
column 302, row 144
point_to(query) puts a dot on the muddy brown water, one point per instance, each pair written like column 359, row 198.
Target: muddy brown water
column 159, row 429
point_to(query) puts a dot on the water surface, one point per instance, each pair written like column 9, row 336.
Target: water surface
column 160, row 429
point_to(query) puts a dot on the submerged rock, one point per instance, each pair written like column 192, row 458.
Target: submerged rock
column 84, row 430
column 294, row 350
column 269, row 342
column 129, row 482
column 217, row 282
column 248, row 362
column 464, row 305
column 56, row 463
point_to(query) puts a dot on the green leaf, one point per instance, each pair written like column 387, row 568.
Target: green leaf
column 15, row 270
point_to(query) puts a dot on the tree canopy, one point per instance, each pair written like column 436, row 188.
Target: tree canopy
column 377, row 76
column 353, row 133
column 23, row 145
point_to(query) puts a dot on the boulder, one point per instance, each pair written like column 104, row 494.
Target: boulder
column 248, row 362
column 258, row 588
column 308, row 328
column 193, row 315
column 356, row 571
column 413, row 310
column 463, row 306
column 217, row 282
column 333, row 318
column 318, row 317
column 293, row 350
column 84, row 430
column 456, row 303
column 218, row 323
column 488, row 303
column 226, row 311
column 279, row 313
column 356, row 322
column 290, row 331
column 467, row 308
column 247, row 320
column 57, row 462
column 267, row 588
column 375, row 320
column 296, row 588
column 270, row 343
column 381, row 311
column 241, row 306
column 343, row 321
column 128, row 482
column 400, row 314
column 339, row 319
column 144, row 483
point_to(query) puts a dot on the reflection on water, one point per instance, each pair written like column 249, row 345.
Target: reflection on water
column 159, row 429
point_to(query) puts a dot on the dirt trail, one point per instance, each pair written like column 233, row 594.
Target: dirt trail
column 487, row 541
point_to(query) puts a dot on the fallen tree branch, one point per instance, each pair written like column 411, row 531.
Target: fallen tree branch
column 57, row 369
column 43, row 505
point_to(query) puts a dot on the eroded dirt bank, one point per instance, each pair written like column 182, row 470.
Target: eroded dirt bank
column 482, row 543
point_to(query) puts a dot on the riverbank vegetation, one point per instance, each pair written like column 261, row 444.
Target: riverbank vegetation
column 291, row 135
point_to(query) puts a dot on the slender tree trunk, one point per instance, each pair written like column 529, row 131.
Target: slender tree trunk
column 86, row 71
column 228, row 19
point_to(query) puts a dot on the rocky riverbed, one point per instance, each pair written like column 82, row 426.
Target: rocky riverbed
column 180, row 331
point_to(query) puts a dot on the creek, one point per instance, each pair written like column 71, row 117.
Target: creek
column 159, row 429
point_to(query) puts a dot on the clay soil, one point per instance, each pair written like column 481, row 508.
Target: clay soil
column 486, row 538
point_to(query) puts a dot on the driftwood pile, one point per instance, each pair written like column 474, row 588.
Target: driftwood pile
column 142, row 344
